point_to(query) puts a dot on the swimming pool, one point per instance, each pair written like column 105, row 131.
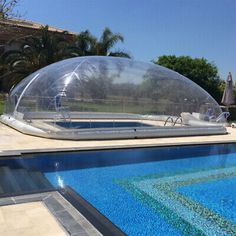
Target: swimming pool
column 100, row 124
column 185, row 190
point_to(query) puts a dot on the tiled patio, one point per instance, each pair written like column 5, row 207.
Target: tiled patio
column 32, row 219
column 42, row 214
column 12, row 141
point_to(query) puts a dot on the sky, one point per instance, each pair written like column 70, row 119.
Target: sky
column 151, row 28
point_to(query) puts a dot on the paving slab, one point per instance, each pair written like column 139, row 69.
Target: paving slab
column 37, row 220
column 42, row 214
column 12, row 142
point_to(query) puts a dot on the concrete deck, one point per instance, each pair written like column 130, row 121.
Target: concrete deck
column 12, row 141
column 42, row 214
column 31, row 219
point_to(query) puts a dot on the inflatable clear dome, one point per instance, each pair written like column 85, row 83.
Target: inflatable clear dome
column 109, row 97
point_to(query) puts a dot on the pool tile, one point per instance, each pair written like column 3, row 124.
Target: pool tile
column 53, row 204
column 163, row 190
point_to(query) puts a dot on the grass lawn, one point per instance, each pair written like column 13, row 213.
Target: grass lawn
column 1, row 107
column 120, row 107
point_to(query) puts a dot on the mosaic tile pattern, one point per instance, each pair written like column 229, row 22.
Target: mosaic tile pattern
column 217, row 195
column 189, row 217
column 115, row 192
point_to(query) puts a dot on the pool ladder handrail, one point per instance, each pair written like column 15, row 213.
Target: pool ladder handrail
column 169, row 118
column 66, row 116
column 62, row 114
column 178, row 118
column 173, row 122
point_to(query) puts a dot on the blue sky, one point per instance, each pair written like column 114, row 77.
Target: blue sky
column 151, row 28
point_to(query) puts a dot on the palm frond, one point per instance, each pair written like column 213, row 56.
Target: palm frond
column 119, row 54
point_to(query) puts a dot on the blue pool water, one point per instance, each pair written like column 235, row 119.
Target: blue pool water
column 99, row 124
column 158, row 191
column 187, row 190
column 219, row 196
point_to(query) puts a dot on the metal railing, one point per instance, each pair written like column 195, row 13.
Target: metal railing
column 169, row 118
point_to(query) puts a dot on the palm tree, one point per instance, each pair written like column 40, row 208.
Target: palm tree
column 89, row 45
column 86, row 43
column 45, row 48
column 36, row 52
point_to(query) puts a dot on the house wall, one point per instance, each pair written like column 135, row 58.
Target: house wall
column 10, row 30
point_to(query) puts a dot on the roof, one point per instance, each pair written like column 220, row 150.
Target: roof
column 31, row 25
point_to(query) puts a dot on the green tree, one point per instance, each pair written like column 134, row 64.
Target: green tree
column 85, row 43
column 3, row 71
column 199, row 70
column 37, row 51
column 34, row 53
column 88, row 44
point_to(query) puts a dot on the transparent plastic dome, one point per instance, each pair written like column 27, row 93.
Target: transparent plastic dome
column 108, row 93
column 111, row 85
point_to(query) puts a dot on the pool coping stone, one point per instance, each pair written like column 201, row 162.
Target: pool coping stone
column 107, row 147
column 69, row 218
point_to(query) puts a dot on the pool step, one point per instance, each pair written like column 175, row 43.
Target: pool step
column 40, row 180
column 24, row 182
column 21, row 180
column 8, row 182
